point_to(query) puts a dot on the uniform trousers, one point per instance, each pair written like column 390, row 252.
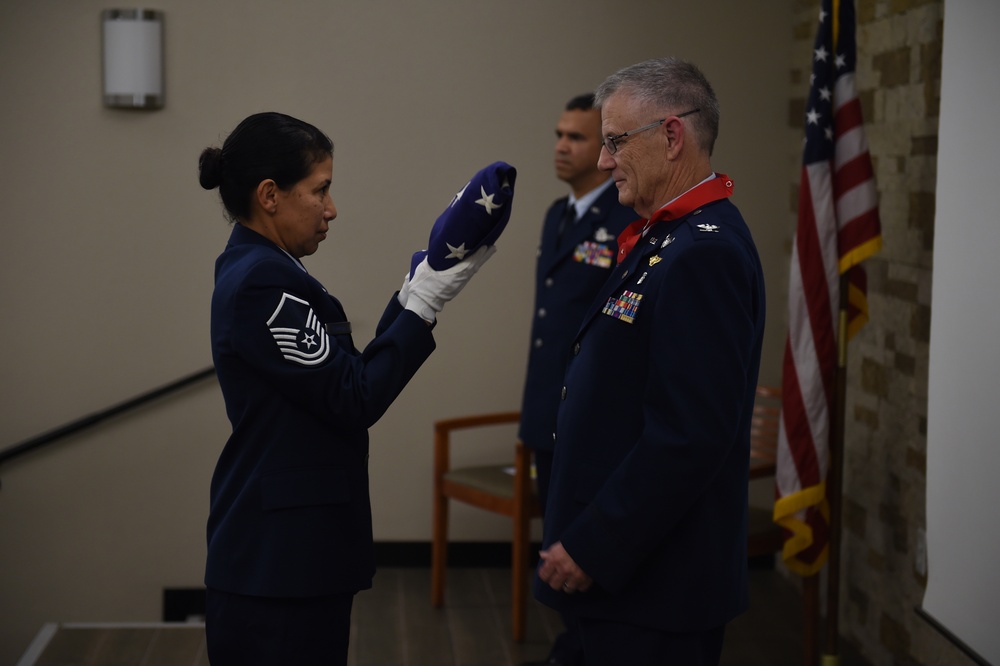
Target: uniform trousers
column 264, row 631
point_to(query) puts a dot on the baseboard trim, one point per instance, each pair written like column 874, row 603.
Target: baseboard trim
column 186, row 604
column 461, row 554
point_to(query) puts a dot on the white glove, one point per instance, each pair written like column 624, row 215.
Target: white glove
column 428, row 290
column 404, row 291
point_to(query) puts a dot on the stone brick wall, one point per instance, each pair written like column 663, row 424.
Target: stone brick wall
column 883, row 573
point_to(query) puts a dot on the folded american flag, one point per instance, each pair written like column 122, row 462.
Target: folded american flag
column 475, row 218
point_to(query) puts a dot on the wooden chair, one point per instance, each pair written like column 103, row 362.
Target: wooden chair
column 489, row 487
column 764, row 536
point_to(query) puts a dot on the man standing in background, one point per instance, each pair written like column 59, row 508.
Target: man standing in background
column 577, row 252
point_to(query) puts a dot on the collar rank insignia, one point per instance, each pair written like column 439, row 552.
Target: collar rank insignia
column 602, row 235
column 668, row 240
column 654, row 260
column 713, row 228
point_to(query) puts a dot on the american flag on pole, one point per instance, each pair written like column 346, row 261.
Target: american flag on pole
column 838, row 227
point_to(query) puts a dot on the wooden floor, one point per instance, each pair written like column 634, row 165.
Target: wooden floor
column 394, row 625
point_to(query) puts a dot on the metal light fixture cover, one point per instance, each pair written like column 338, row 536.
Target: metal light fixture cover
column 133, row 58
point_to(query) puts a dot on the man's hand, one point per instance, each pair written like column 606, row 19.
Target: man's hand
column 560, row 571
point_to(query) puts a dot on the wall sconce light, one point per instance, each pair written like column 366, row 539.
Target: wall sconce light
column 133, row 58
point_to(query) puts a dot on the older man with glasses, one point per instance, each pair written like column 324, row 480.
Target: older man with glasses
column 645, row 529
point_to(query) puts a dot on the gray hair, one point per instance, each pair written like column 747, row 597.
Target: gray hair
column 668, row 85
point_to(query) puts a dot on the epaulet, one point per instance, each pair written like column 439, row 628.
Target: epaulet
column 701, row 229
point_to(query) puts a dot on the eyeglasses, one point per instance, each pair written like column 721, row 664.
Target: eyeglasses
column 611, row 142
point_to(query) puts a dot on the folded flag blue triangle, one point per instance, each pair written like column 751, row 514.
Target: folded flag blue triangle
column 475, row 218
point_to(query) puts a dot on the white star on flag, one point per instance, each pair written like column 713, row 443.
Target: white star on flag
column 487, row 201
column 456, row 252
column 458, row 196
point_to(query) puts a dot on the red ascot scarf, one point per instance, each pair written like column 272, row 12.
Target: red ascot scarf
column 718, row 188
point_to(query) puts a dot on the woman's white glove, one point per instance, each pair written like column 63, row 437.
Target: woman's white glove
column 426, row 292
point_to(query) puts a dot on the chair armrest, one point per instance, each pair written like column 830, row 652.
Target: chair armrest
column 476, row 420
column 444, row 427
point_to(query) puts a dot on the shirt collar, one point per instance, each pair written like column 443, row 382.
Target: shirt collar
column 584, row 203
column 296, row 261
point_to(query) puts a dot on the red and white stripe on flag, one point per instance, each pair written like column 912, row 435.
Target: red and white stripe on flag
column 838, row 227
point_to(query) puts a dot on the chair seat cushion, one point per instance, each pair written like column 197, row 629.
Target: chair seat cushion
column 493, row 479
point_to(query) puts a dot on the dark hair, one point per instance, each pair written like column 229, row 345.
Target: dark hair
column 584, row 102
column 265, row 145
column 668, row 85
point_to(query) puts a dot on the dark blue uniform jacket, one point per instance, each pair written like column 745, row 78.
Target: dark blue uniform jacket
column 569, row 273
column 649, row 481
column 290, row 514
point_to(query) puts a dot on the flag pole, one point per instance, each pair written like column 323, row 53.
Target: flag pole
column 835, row 485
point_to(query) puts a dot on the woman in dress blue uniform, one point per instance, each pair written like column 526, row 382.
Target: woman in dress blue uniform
column 290, row 528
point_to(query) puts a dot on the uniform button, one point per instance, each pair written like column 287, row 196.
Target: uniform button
column 576, row 349
column 541, row 312
column 538, row 343
column 549, row 282
column 564, row 393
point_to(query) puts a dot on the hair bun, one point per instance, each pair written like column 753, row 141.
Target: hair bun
column 210, row 168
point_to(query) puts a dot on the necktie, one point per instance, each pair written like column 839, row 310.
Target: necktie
column 568, row 219
column 718, row 188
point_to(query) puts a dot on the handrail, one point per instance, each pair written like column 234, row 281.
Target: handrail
column 88, row 421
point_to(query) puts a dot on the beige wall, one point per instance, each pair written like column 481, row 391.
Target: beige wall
column 109, row 243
